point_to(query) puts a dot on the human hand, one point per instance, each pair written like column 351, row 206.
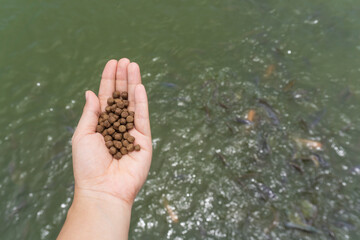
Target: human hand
column 97, row 173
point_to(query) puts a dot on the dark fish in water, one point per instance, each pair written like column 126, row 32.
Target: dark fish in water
column 70, row 129
column 316, row 118
column 243, row 121
column 169, row 84
column 301, row 227
column 270, row 111
column 297, row 167
column 319, row 159
column 223, row 105
column 222, row 159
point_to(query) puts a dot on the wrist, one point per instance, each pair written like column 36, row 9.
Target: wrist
column 100, row 215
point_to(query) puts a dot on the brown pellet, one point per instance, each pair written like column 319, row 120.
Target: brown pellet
column 122, row 121
column 125, row 143
column 123, row 151
column 117, row 144
column 126, row 103
column 118, row 111
column 107, row 124
column 124, row 95
column 110, row 101
column 120, row 104
column 108, row 109
column 113, row 107
column 112, row 150
column 99, row 128
column 108, row 138
column 132, row 113
column 104, row 133
column 106, row 117
column 124, row 114
column 117, row 136
column 130, row 119
column 129, row 126
column 126, row 135
column 118, row 155
column 137, row 147
column 116, row 94
column 122, row 128
column 109, row 144
column 112, row 120
column 130, row 147
column 111, row 130
column 131, row 139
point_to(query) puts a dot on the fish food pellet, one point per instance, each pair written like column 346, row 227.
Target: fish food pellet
column 118, row 155
column 114, row 125
column 137, row 147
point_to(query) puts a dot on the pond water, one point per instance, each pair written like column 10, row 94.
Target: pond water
column 291, row 173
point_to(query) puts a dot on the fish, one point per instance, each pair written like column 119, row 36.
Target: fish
column 251, row 115
column 269, row 70
column 311, row 144
column 270, row 111
column 301, row 227
column 170, row 211
column 169, row 85
column 223, row 105
column 297, row 167
column 222, row 158
column 243, row 121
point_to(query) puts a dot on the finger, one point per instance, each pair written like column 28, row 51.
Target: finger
column 134, row 79
column 121, row 75
column 142, row 122
column 89, row 118
column 107, row 84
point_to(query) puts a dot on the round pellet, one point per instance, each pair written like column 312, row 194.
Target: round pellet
column 117, row 144
column 130, row 147
column 118, row 155
column 107, row 138
column 110, row 101
column 109, row 144
column 122, row 128
column 99, row 128
column 123, row 151
column 116, row 94
column 131, row 139
column 137, row 147
column 112, row 150
column 129, row 126
column 129, row 119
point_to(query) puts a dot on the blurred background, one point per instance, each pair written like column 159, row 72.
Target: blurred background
column 254, row 114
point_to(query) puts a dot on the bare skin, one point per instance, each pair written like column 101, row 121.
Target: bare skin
column 105, row 188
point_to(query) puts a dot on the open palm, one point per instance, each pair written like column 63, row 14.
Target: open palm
column 95, row 169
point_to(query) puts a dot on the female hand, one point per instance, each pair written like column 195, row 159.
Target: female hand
column 105, row 187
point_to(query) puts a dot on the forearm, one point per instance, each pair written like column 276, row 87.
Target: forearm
column 95, row 215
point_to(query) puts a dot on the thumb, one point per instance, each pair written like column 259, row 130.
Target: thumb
column 89, row 118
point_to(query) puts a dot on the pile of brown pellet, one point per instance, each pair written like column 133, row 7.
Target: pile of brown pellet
column 115, row 123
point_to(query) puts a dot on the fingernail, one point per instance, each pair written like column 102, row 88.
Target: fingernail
column 86, row 95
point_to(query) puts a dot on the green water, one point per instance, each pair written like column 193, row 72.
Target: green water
column 204, row 66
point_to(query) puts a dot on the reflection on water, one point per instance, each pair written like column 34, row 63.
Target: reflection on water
column 253, row 111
